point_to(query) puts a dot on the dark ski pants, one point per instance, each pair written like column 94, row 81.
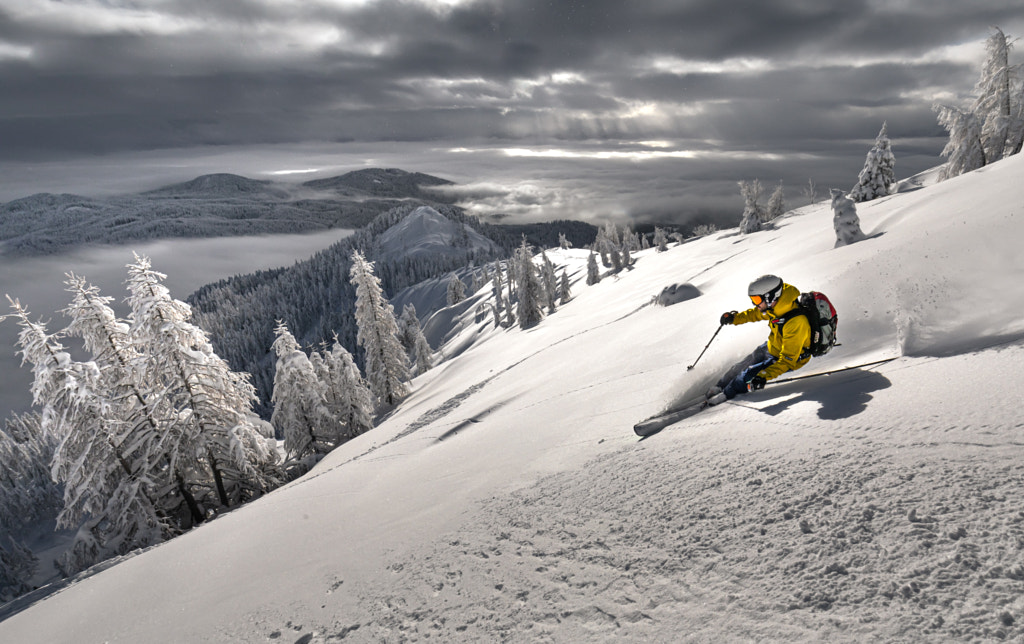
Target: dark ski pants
column 735, row 380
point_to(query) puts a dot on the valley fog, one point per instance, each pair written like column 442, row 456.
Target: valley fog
column 38, row 283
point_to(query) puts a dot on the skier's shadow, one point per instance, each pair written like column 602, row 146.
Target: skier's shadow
column 843, row 396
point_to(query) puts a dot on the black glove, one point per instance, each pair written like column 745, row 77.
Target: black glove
column 757, row 382
column 727, row 318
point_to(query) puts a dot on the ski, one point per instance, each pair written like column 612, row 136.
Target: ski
column 657, row 423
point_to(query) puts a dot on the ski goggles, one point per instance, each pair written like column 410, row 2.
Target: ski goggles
column 757, row 299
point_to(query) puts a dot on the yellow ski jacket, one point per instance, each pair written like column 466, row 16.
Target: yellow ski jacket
column 786, row 342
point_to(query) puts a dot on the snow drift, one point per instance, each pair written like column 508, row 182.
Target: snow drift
column 507, row 498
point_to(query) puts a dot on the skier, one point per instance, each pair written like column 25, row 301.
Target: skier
column 787, row 348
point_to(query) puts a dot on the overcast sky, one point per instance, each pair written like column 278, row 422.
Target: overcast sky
column 648, row 109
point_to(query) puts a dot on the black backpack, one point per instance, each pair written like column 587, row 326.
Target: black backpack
column 822, row 317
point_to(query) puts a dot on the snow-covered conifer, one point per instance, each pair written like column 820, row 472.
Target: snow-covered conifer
column 300, row 406
column 408, row 325
column 17, row 566
column 964, row 150
column 107, row 498
column 563, row 287
column 531, row 291
column 753, row 211
column 214, row 440
column 660, row 239
column 845, row 219
column 423, row 354
column 879, row 173
column 776, row 203
column 593, row 273
column 456, row 290
column 997, row 106
column 27, row 491
column 347, row 395
column 387, row 366
column 549, row 281
column 498, row 295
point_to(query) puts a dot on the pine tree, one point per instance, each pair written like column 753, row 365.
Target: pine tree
column 563, row 288
column 593, row 273
column 300, row 407
column 531, row 292
column 660, row 239
column 423, row 353
column 105, row 497
column 777, row 203
column 387, row 366
column 213, row 440
column 347, row 395
column 753, row 212
column 499, row 297
column 17, row 566
column 408, row 325
column 27, row 491
column 965, row 150
column 549, row 282
column 845, row 220
column 879, row 173
column 995, row 107
column 456, row 290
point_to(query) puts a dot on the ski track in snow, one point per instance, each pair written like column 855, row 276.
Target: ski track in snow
column 798, row 533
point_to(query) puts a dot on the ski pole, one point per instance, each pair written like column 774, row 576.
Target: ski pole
column 705, row 348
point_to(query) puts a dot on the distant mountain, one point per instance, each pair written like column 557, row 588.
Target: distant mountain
column 221, row 185
column 390, row 182
column 212, row 205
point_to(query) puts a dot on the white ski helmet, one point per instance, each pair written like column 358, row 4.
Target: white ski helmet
column 767, row 288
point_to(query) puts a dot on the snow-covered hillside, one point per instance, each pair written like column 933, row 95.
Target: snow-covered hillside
column 507, row 499
column 427, row 233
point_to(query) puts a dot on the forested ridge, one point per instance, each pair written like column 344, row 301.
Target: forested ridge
column 316, row 299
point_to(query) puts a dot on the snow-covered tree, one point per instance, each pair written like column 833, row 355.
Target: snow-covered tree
column 593, row 273
column 456, row 290
column 964, row 150
column 563, row 288
column 753, row 211
column 423, row 354
column 776, row 203
column 17, row 566
column 563, row 243
column 213, row 440
column 879, row 173
column 704, row 229
column 408, row 325
column 300, row 406
column 27, row 491
column 499, row 298
column 549, row 281
column 108, row 496
column 346, row 393
column 845, row 219
column 660, row 239
column 531, row 291
column 997, row 104
column 387, row 366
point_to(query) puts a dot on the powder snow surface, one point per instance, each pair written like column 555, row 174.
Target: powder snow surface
column 508, row 499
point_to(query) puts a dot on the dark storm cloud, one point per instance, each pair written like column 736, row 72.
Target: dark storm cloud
column 99, row 77
column 779, row 89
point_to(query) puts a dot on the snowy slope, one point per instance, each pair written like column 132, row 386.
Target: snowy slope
column 427, row 233
column 509, row 500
